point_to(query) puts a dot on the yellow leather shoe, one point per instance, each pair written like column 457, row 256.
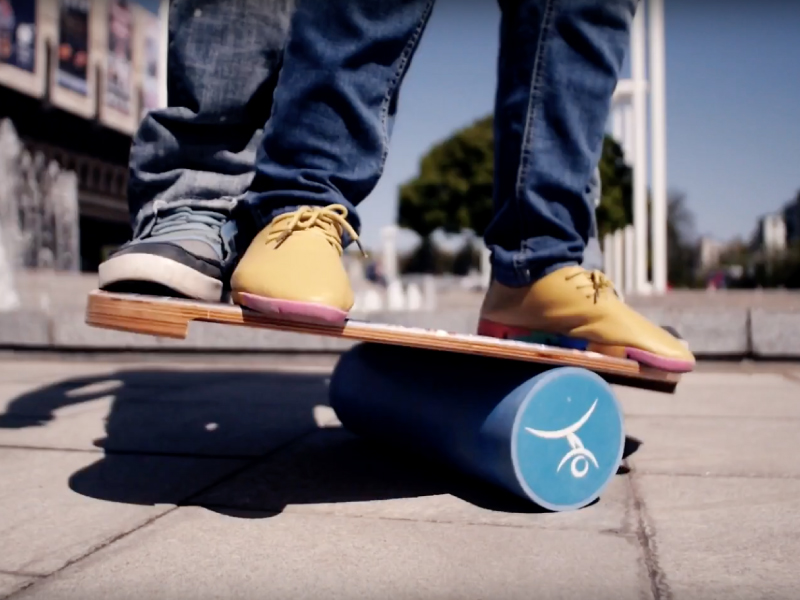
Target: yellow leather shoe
column 294, row 267
column 579, row 309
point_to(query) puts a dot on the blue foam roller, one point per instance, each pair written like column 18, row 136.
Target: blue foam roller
column 553, row 436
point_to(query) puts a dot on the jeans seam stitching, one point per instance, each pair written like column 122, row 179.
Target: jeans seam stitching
column 532, row 111
column 405, row 56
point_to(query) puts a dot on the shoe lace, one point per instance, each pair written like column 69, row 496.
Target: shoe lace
column 330, row 220
column 596, row 280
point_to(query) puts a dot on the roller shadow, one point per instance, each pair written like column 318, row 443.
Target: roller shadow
column 235, row 442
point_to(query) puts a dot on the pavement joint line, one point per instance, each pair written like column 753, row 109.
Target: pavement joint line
column 89, row 553
column 646, row 536
column 273, row 512
column 252, row 462
column 134, row 453
column 793, row 377
column 48, row 449
column 756, row 476
column 714, row 417
column 23, row 574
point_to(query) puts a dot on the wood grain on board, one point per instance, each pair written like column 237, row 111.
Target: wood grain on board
column 170, row 317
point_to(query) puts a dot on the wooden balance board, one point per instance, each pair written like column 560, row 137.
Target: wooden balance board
column 170, row 317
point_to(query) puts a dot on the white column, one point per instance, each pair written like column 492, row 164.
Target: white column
column 630, row 249
column 617, row 123
column 658, row 148
column 608, row 256
column 163, row 16
column 640, row 220
column 629, row 141
column 617, row 260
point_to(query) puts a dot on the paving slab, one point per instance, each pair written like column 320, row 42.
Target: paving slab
column 11, row 583
column 716, row 446
column 193, row 553
column 757, row 395
column 334, row 472
column 724, row 538
column 57, row 506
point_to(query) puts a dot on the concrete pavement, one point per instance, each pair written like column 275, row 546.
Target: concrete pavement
column 222, row 480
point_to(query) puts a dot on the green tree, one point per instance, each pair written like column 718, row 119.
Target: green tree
column 453, row 190
column 616, row 201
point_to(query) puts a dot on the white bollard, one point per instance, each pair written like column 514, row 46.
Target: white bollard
column 429, row 292
column 486, row 267
column 414, row 299
column 389, row 253
column 395, row 296
column 371, row 301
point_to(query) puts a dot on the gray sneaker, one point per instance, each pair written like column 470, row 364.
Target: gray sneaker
column 181, row 253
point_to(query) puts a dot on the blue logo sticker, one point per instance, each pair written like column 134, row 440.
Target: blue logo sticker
column 568, row 438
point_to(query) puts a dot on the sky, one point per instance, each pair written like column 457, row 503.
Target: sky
column 151, row 5
column 733, row 105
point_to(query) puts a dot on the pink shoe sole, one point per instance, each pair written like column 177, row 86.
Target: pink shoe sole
column 671, row 365
column 292, row 309
column 648, row 359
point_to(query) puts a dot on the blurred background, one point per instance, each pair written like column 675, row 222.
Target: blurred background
column 700, row 166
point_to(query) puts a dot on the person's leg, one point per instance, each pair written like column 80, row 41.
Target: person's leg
column 559, row 64
column 192, row 161
column 323, row 151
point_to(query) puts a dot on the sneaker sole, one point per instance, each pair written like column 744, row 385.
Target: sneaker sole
column 643, row 357
column 291, row 309
column 151, row 268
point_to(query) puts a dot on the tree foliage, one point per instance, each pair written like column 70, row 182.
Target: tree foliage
column 453, row 188
column 616, row 202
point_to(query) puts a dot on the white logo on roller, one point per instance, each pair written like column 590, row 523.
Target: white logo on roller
column 579, row 455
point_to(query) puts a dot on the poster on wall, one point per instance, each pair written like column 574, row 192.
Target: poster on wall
column 18, row 34
column 73, row 46
column 120, row 55
column 151, row 96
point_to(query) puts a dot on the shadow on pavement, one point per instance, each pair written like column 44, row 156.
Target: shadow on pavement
column 240, row 443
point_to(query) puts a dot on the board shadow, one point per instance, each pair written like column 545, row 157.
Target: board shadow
column 237, row 442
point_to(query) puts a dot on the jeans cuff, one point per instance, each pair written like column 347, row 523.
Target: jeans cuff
column 516, row 269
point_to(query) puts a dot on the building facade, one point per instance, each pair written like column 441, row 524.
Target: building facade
column 76, row 77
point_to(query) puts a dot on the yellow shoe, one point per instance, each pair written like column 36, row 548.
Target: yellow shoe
column 294, row 267
column 579, row 309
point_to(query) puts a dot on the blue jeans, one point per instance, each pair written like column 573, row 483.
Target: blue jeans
column 327, row 138
column 230, row 137
column 198, row 154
